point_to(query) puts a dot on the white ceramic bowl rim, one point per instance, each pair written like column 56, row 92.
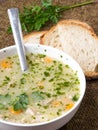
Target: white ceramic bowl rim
column 58, row 53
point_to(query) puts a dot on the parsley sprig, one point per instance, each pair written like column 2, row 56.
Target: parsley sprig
column 21, row 102
column 35, row 17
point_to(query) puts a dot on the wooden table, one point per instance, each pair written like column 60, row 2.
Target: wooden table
column 87, row 116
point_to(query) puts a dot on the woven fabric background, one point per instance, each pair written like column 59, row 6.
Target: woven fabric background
column 87, row 116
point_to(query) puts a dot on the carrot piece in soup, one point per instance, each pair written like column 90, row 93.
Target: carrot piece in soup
column 15, row 112
column 69, row 106
column 5, row 64
column 48, row 59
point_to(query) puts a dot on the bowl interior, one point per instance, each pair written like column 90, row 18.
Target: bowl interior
column 57, row 54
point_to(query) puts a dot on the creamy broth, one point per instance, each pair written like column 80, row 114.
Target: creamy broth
column 47, row 90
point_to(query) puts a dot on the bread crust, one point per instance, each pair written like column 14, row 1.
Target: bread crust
column 78, row 23
column 91, row 75
column 52, row 29
column 33, row 34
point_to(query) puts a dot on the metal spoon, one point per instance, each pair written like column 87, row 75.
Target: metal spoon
column 17, row 33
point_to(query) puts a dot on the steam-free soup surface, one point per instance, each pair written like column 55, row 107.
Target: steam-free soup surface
column 47, row 90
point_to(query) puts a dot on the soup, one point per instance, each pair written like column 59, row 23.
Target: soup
column 47, row 90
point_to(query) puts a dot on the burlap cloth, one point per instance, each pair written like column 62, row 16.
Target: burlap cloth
column 87, row 116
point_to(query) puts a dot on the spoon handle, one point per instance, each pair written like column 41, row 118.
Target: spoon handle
column 18, row 38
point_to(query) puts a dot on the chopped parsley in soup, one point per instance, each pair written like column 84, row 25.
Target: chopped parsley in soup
column 47, row 90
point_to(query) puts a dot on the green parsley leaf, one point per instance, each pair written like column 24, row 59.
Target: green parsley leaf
column 75, row 97
column 21, row 102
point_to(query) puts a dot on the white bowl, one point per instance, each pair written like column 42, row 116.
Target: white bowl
column 62, row 120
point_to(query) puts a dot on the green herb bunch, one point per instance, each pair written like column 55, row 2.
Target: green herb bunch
column 21, row 102
column 35, row 17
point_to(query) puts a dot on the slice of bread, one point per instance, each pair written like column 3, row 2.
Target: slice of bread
column 79, row 41
column 34, row 37
column 76, row 38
